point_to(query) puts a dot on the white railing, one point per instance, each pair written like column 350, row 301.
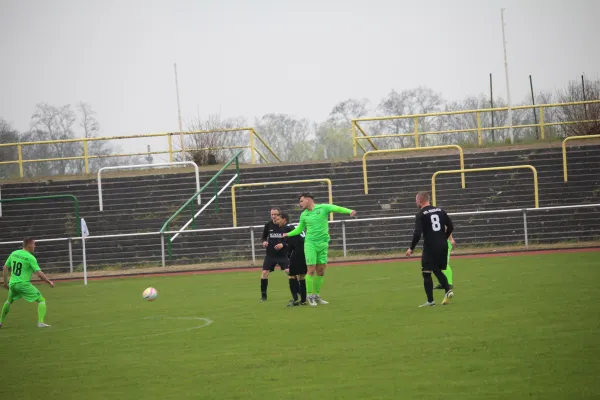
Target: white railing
column 146, row 166
column 251, row 240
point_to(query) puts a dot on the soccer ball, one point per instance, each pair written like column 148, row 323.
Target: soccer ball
column 150, row 294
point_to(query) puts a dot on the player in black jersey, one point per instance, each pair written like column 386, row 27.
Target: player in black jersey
column 276, row 253
column 436, row 226
column 297, row 263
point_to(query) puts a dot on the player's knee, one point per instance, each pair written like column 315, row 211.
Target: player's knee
column 265, row 274
column 41, row 299
column 426, row 276
column 292, row 277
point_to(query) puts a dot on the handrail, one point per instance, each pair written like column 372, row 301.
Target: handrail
column 206, row 185
column 449, row 146
column 531, row 167
column 54, row 196
column 233, row 205
column 564, row 150
column 479, row 128
column 266, row 145
column 143, row 166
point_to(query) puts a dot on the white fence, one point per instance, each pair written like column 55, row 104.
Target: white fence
column 509, row 226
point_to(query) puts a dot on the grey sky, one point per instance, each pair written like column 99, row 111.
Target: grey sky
column 254, row 57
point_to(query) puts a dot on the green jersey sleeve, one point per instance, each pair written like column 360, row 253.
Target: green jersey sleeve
column 300, row 228
column 336, row 209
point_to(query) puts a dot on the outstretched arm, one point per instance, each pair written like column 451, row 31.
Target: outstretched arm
column 5, row 276
column 43, row 277
column 340, row 210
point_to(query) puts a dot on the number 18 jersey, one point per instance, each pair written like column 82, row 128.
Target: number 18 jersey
column 22, row 265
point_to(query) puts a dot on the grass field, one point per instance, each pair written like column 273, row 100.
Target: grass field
column 519, row 327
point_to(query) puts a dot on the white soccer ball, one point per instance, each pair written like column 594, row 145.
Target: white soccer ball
column 150, row 294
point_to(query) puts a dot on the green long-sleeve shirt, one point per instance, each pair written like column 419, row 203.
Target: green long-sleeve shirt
column 315, row 222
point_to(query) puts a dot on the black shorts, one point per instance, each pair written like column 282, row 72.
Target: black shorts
column 270, row 262
column 298, row 266
column 432, row 260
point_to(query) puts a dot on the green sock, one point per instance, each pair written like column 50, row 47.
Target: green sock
column 309, row 284
column 448, row 273
column 41, row 312
column 318, row 283
column 5, row 310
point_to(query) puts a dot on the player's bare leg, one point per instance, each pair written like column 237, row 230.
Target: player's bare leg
column 310, row 284
column 320, row 269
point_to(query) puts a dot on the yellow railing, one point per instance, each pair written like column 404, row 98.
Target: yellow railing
column 239, row 185
column 564, row 150
column 356, row 128
column 373, row 152
column 86, row 157
column 460, row 171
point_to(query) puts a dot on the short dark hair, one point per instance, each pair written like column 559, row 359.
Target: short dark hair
column 276, row 209
column 306, row 194
column 27, row 241
column 285, row 216
column 423, row 196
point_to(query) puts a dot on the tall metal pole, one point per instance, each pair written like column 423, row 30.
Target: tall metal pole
column 492, row 107
column 179, row 116
column 537, row 132
column 510, row 124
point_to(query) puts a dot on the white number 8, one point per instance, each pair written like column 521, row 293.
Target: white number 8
column 435, row 223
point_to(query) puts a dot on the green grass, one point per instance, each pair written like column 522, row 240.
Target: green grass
column 519, row 327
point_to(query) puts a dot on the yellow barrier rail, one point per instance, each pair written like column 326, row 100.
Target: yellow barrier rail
column 240, row 185
column 479, row 129
column 86, row 157
column 374, row 152
column 564, row 151
column 457, row 171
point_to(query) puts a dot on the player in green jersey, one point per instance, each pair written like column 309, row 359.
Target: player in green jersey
column 448, row 270
column 314, row 220
column 22, row 264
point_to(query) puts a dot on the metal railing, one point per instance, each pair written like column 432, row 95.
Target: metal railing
column 564, row 151
column 479, row 129
column 55, row 196
column 374, row 152
column 460, row 171
column 86, row 157
column 190, row 202
column 250, row 228
column 117, row 167
column 233, row 205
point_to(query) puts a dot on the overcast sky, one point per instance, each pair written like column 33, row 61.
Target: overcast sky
column 249, row 58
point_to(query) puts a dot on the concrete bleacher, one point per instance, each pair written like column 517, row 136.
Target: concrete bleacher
column 142, row 203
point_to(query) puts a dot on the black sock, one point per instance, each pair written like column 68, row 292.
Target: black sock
column 294, row 288
column 428, row 284
column 263, row 285
column 302, row 285
column 439, row 274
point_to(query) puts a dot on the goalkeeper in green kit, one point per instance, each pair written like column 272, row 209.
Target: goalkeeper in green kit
column 314, row 220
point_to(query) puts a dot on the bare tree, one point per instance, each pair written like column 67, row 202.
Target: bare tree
column 589, row 112
column 208, row 148
column 420, row 100
column 292, row 139
column 345, row 111
column 8, row 135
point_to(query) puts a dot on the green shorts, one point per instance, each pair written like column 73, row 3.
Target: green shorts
column 25, row 290
column 315, row 253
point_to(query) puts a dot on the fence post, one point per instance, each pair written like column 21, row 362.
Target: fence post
column 542, row 130
column 354, row 137
column 344, row 237
column 479, row 138
column 252, row 245
column 162, row 249
column 20, row 158
column 416, row 131
column 525, row 227
column 70, row 255
column 252, row 155
column 170, row 147
column 86, row 157
column 237, row 169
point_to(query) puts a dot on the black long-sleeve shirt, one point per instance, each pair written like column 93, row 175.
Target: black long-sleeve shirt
column 435, row 225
